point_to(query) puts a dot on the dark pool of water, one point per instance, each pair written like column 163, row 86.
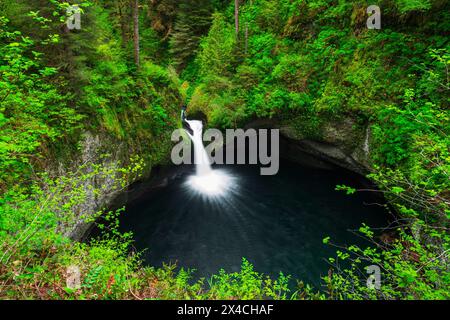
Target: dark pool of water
column 276, row 222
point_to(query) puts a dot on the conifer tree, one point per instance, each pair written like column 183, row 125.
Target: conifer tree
column 162, row 15
column 193, row 21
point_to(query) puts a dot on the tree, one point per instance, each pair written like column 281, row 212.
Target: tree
column 123, row 18
column 163, row 14
column 193, row 21
column 236, row 16
column 216, row 55
column 136, row 31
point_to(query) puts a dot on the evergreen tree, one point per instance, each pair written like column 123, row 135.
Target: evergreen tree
column 163, row 14
column 193, row 21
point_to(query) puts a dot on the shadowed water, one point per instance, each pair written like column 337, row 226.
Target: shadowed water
column 276, row 222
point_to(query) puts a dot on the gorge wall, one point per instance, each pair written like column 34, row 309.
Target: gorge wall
column 340, row 142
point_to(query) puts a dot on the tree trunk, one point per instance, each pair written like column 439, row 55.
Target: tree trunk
column 136, row 31
column 236, row 16
column 124, row 22
column 246, row 32
column 246, row 38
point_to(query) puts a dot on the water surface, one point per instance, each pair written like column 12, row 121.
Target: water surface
column 276, row 222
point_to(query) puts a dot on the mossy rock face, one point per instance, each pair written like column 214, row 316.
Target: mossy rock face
column 291, row 132
column 101, row 146
column 94, row 148
column 342, row 141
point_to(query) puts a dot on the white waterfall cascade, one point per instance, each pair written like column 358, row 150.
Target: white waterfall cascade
column 207, row 181
column 201, row 158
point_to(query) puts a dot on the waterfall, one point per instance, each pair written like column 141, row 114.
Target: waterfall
column 201, row 158
column 366, row 146
column 206, row 181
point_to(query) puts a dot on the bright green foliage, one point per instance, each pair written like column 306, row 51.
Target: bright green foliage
column 33, row 110
column 247, row 284
column 35, row 217
column 409, row 269
column 47, row 98
column 307, row 64
column 216, row 51
column 413, row 5
column 301, row 63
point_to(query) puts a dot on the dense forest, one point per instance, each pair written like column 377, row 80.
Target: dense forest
column 86, row 112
